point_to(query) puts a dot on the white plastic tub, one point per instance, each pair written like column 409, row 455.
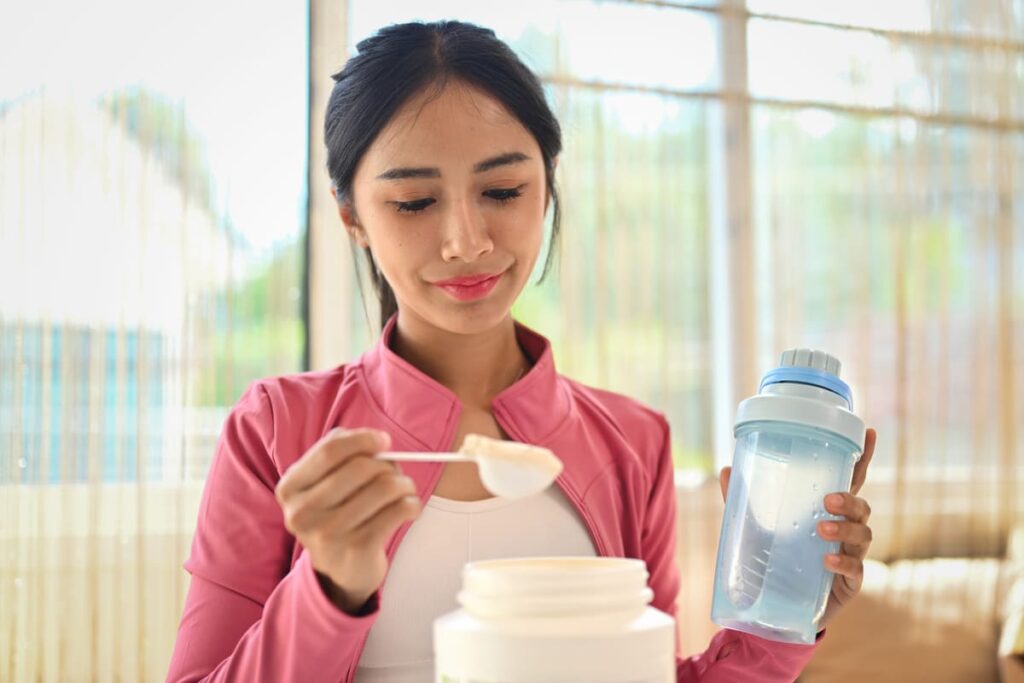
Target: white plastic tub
column 555, row 620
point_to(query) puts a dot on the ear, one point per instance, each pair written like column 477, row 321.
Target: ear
column 347, row 212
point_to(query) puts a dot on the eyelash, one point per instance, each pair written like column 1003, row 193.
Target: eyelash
column 503, row 197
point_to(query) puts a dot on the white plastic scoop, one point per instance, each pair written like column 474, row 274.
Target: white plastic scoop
column 508, row 469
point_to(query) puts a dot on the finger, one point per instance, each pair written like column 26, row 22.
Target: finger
column 370, row 500
column 723, row 480
column 331, row 451
column 379, row 528
column 850, row 506
column 307, row 508
column 855, row 538
column 860, row 470
column 851, row 568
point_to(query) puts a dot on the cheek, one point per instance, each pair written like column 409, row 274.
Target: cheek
column 526, row 216
column 401, row 254
column 526, row 227
column 402, row 249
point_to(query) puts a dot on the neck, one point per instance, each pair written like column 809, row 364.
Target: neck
column 475, row 367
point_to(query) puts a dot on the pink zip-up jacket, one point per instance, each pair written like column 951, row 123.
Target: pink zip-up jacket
column 255, row 611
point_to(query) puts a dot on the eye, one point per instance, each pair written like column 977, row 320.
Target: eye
column 503, row 196
column 413, row 207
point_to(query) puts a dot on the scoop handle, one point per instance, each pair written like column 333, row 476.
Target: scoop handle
column 423, row 456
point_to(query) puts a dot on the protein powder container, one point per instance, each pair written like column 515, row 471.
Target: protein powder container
column 545, row 619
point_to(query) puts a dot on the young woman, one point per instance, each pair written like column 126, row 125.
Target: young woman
column 313, row 561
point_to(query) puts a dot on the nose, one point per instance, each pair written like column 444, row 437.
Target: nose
column 466, row 237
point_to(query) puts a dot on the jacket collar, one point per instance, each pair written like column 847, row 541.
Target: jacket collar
column 427, row 412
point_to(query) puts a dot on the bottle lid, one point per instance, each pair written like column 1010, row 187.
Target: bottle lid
column 805, row 389
column 814, row 368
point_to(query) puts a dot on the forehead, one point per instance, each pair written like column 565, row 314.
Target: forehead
column 458, row 125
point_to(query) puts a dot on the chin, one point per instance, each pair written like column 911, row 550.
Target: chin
column 471, row 319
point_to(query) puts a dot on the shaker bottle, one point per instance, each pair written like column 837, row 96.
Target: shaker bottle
column 797, row 440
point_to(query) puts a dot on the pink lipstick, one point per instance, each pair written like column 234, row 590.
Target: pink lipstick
column 470, row 287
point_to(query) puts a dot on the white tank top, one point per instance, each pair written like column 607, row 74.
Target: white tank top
column 426, row 571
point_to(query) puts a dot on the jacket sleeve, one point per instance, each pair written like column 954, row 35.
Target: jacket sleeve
column 248, row 616
column 731, row 655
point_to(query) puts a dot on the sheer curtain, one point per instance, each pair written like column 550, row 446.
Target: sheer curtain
column 889, row 226
column 151, row 223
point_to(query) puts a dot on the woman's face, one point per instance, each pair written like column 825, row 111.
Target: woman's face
column 452, row 191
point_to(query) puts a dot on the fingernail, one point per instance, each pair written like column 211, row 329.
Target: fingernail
column 833, row 560
column 830, row 528
column 383, row 440
column 834, row 499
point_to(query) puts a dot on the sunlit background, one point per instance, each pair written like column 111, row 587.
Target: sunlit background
column 737, row 179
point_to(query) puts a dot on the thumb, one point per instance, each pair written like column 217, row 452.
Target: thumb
column 723, row 480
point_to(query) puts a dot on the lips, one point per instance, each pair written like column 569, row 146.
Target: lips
column 470, row 287
column 467, row 280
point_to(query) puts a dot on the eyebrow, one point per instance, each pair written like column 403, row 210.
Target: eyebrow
column 485, row 165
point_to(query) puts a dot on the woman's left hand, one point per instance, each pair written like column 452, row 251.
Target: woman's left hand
column 853, row 532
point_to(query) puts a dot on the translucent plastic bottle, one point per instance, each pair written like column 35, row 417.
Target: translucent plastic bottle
column 546, row 619
column 796, row 441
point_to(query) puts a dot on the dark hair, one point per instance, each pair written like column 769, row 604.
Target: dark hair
column 401, row 61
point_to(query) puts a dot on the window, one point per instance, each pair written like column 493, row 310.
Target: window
column 152, row 220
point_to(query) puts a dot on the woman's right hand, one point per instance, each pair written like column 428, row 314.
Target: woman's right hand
column 342, row 505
